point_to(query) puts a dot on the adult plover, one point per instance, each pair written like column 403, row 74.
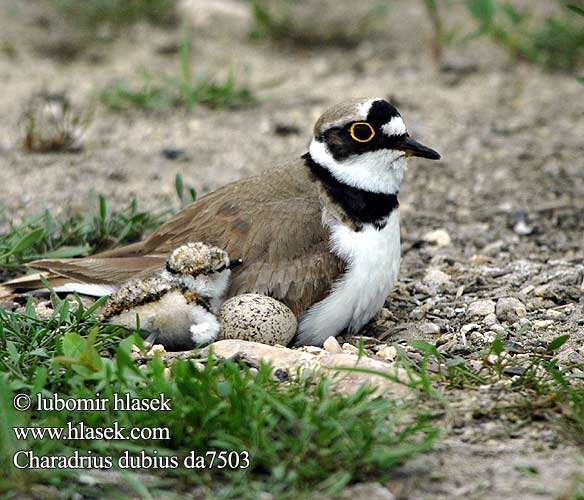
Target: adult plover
column 320, row 233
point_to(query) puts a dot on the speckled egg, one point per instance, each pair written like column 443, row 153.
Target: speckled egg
column 258, row 318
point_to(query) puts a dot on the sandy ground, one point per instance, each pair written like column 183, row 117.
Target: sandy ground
column 508, row 192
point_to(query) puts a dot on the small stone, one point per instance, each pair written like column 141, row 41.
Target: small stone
column 522, row 228
column 350, row 348
column 490, row 336
column 332, row 345
column 436, row 278
column 419, row 312
column 481, row 308
column 541, row 324
column 428, row 328
column 553, row 314
column 167, row 373
column 469, row 328
column 367, row 491
column 156, row 349
column 480, row 259
column 388, row 352
column 498, row 329
column 384, row 315
column 438, row 237
column 490, row 319
column 8, row 305
column 312, row 349
column 510, row 308
column 494, row 248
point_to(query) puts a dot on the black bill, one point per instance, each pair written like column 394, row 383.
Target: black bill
column 414, row 148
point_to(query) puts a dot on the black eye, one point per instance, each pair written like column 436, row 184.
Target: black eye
column 362, row 131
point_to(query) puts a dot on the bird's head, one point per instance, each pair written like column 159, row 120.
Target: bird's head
column 364, row 143
column 202, row 268
column 197, row 258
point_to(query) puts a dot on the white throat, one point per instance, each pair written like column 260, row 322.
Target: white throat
column 378, row 171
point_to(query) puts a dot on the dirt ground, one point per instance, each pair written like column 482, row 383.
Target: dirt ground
column 508, row 191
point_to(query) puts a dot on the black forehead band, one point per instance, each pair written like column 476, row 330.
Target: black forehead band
column 380, row 113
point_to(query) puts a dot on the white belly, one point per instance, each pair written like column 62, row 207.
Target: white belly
column 372, row 258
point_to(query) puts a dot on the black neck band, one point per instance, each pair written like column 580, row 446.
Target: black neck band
column 362, row 207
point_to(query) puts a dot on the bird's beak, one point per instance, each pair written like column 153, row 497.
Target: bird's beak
column 413, row 148
column 234, row 263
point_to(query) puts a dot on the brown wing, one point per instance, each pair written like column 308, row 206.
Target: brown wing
column 272, row 222
column 101, row 270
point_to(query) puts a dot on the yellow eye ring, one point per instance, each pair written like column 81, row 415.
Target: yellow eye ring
column 352, row 131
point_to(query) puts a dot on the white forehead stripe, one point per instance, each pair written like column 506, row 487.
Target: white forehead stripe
column 364, row 109
column 395, row 126
column 360, row 115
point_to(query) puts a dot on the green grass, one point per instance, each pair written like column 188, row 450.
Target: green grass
column 91, row 15
column 47, row 236
column 542, row 385
column 177, row 91
column 278, row 21
column 301, row 436
column 557, row 44
column 78, row 234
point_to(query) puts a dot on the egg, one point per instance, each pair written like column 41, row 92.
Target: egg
column 257, row 318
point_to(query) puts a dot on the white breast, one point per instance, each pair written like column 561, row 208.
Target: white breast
column 372, row 258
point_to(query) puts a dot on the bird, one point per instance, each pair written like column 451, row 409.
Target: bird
column 177, row 305
column 319, row 233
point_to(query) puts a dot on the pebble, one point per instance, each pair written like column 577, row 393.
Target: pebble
column 522, row 228
column 490, row 319
column 350, row 348
column 436, row 278
column 312, row 349
column 388, row 352
column 156, row 349
column 481, row 308
column 490, row 336
column 332, row 345
column 479, row 259
column 419, row 312
column 494, row 248
column 367, row 491
column 438, row 237
column 428, row 328
column 541, row 324
column 510, row 308
column 498, row 329
column 8, row 305
column 553, row 314
column 469, row 328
